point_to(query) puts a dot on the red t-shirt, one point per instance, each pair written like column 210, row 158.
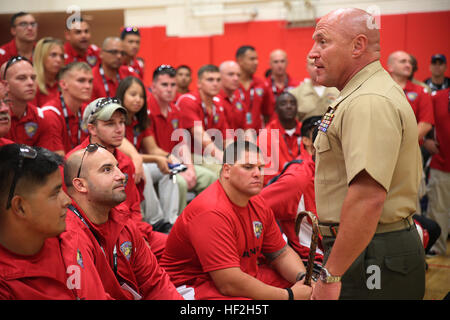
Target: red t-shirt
column 257, row 103
column 234, row 109
column 280, row 148
column 290, row 194
column 31, row 129
column 46, row 275
column 107, row 87
column 275, row 91
column 135, row 264
column 64, row 126
column 41, row 98
column 213, row 234
column 441, row 161
column 162, row 127
column 420, row 101
column 92, row 55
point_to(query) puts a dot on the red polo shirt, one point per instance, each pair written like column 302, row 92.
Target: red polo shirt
column 275, row 91
column 257, row 103
column 192, row 109
column 234, row 109
column 108, row 89
column 441, row 160
column 137, row 66
column 64, row 126
column 420, row 101
column 41, row 98
column 31, row 129
column 135, row 135
column 92, row 55
column 8, row 50
column 281, row 148
column 161, row 126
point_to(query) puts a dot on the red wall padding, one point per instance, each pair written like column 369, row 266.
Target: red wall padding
column 421, row 34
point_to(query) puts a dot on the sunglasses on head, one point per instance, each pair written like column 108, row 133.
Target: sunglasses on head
column 92, row 147
column 104, row 102
column 12, row 61
column 25, row 152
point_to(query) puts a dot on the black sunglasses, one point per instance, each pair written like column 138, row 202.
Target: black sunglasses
column 13, row 60
column 25, row 152
column 92, row 147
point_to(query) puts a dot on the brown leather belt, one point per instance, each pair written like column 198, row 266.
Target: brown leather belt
column 331, row 230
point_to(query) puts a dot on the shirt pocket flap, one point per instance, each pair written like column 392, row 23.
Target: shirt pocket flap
column 322, row 144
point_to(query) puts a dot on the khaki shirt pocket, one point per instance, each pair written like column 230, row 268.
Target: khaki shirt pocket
column 327, row 167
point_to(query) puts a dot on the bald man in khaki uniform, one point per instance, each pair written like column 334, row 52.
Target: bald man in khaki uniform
column 312, row 98
column 368, row 169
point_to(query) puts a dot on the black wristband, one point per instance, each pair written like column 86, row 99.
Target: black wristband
column 290, row 294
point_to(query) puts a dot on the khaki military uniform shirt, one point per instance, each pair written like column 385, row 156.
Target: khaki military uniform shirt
column 309, row 103
column 371, row 127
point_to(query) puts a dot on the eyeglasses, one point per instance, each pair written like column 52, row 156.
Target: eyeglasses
column 13, row 60
column 116, row 52
column 25, row 152
column 25, row 25
column 92, row 147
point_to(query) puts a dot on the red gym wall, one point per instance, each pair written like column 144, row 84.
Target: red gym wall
column 421, row 34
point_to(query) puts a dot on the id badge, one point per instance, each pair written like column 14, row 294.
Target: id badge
column 248, row 117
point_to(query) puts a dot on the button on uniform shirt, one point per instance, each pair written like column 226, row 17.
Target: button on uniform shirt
column 31, row 129
column 369, row 127
column 274, row 91
column 309, row 102
column 420, row 101
column 108, row 89
column 162, row 127
column 92, row 55
column 257, row 104
column 441, row 160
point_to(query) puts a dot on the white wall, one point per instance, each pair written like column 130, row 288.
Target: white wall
column 205, row 17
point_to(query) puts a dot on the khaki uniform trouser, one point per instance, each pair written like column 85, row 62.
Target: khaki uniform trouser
column 391, row 267
column 439, row 205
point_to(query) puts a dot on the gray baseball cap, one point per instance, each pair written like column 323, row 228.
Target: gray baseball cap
column 102, row 109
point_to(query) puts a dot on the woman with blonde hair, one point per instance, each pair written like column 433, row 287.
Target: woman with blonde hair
column 48, row 59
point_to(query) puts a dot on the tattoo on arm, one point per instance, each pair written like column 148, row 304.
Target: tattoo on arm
column 273, row 255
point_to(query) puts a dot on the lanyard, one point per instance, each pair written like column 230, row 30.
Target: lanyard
column 105, row 83
column 66, row 118
column 78, row 214
column 252, row 93
column 299, row 139
column 205, row 113
column 274, row 87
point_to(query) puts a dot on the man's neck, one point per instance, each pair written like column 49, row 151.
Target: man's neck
column 109, row 72
column 246, row 80
column 24, row 48
column 96, row 213
column 288, row 124
column 72, row 103
column 18, row 108
column 401, row 81
column 127, row 59
column 95, row 140
column 438, row 79
column 163, row 106
column 235, row 196
column 183, row 90
column 20, row 241
column 279, row 79
column 207, row 100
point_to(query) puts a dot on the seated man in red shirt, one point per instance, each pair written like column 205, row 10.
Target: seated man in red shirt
column 286, row 145
column 78, row 45
column 106, row 127
column 109, row 73
column 27, row 122
column 131, row 40
column 35, row 263
column 213, row 248
column 24, row 31
column 63, row 114
column 5, row 117
column 97, row 186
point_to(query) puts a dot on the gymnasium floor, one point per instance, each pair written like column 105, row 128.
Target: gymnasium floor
column 438, row 276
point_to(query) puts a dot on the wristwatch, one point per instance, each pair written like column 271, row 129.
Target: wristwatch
column 326, row 277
